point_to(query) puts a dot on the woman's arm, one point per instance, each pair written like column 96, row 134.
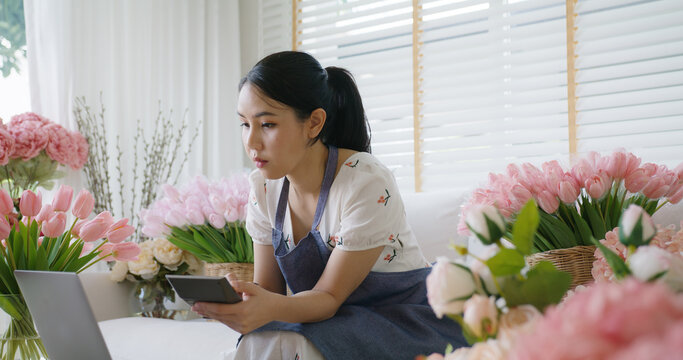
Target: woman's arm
column 266, row 270
column 344, row 272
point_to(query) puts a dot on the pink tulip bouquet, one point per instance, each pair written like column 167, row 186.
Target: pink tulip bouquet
column 205, row 218
column 31, row 150
column 41, row 240
column 581, row 203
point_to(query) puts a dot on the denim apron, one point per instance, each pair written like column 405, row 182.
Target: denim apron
column 386, row 317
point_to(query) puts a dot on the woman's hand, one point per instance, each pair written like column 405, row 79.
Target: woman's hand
column 254, row 311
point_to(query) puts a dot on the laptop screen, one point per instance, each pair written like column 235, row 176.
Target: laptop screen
column 62, row 314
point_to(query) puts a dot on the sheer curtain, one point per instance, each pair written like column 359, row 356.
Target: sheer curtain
column 142, row 57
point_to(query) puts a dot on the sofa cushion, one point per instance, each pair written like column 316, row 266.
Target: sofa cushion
column 434, row 216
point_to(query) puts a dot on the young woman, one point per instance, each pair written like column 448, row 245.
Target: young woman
column 328, row 222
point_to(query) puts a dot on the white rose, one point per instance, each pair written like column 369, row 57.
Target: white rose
column 167, row 253
column 119, row 271
column 649, row 261
column 448, row 286
column 145, row 265
column 482, row 273
column 481, row 315
column 195, row 267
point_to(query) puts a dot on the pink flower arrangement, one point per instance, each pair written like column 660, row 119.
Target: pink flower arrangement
column 32, row 142
column 594, row 192
column 628, row 320
column 212, row 210
column 667, row 239
column 198, row 202
column 42, row 240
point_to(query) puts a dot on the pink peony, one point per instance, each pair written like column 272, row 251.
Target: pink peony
column 60, row 146
column 6, row 145
column 30, row 138
column 604, row 320
column 80, row 156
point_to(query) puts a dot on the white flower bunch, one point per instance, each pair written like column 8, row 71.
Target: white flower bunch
column 157, row 258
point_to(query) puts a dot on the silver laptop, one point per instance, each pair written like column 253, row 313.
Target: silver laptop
column 63, row 316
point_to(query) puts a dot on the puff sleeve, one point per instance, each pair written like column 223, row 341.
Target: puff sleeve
column 372, row 211
column 258, row 223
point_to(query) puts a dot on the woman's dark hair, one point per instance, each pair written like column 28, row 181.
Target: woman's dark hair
column 297, row 80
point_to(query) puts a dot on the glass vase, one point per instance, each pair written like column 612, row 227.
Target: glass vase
column 18, row 338
column 157, row 299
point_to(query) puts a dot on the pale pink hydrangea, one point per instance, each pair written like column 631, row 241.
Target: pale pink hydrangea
column 607, row 320
column 601, row 271
column 666, row 238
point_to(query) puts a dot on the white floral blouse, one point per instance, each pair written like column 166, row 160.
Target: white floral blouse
column 364, row 210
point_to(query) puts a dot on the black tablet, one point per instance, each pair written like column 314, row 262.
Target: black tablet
column 204, row 288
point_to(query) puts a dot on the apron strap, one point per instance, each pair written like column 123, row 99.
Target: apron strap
column 330, row 170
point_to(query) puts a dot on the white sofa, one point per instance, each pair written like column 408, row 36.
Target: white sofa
column 433, row 217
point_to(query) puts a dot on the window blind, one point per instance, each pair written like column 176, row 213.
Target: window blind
column 275, row 26
column 630, row 78
column 373, row 40
column 483, row 83
column 494, row 81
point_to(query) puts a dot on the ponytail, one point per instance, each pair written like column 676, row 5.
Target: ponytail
column 346, row 125
column 297, row 80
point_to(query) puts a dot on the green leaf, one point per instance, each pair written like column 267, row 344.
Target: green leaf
column 543, row 286
column 615, row 262
column 582, row 228
column 525, row 226
column 506, row 262
column 596, row 222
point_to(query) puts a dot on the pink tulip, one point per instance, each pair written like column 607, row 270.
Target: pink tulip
column 45, row 213
column 6, row 203
column 656, row 188
column 83, row 205
column 30, row 203
column 217, row 221
column 5, row 228
column 87, row 248
column 597, row 186
column 54, row 227
column 568, row 190
column 76, row 230
column 548, row 202
column 481, row 315
column 175, row 218
column 170, row 192
column 62, row 199
column 679, row 171
column 636, row 181
column 126, row 251
column 96, row 228
column 676, row 196
column 119, row 230
column 553, row 175
column 195, row 217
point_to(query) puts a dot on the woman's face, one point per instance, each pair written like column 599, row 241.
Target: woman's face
column 273, row 137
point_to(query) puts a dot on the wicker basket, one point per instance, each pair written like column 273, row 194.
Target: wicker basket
column 243, row 271
column 577, row 261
